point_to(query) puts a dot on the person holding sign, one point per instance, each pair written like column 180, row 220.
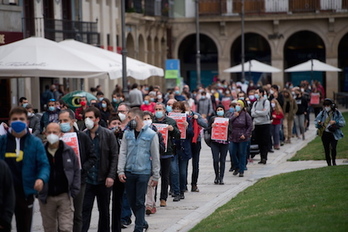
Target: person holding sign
column 183, row 148
column 172, row 133
column 86, row 157
column 218, row 127
column 240, row 128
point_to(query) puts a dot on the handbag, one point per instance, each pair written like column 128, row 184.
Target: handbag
column 333, row 127
column 207, row 137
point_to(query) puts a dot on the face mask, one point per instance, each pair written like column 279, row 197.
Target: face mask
column 51, row 108
column 302, row 89
column 177, row 92
column 132, row 124
column 30, row 114
column 256, row 96
column 231, row 110
column 122, row 116
column 227, row 92
column 146, row 102
column 101, row 98
column 169, row 109
column 203, row 97
column 220, row 113
column 265, row 96
column 327, row 108
column 52, row 138
column 83, row 103
column 18, row 126
column 271, row 91
column 241, row 98
column 273, row 105
column 238, row 108
column 152, row 99
column 187, row 112
column 159, row 114
column 251, row 97
column 89, row 123
column 65, row 127
column 159, row 96
column 148, row 122
column 25, row 105
column 103, row 105
column 114, row 100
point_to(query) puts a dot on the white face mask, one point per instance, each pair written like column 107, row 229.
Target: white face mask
column 273, row 105
column 148, row 122
column 52, row 138
column 89, row 123
column 271, row 91
column 327, row 108
column 187, row 112
column 122, row 116
column 30, row 114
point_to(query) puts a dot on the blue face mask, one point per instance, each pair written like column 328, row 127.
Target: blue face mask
column 146, row 102
column 51, row 108
column 65, row 127
column 25, row 105
column 18, row 126
column 114, row 99
column 169, row 109
column 257, row 96
column 238, row 108
column 177, row 92
column 101, row 98
column 103, row 105
column 159, row 114
column 152, row 99
column 220, row 113
column 231, row 110
column 241, row 98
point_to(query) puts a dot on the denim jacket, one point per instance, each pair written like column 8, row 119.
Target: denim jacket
column 337, row 117
column 140, row 155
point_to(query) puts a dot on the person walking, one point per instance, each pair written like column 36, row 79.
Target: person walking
column 277, row 116
column 240, row 128
column 329, row 123
column 260, row 112
column 135, row 96
column 289, row 110
column 7, row 197
column 302, row 106
column 26, row 157
column 56, row 207
column 138, row 160
column 219, row 148
column 87, row 158
column 100, row 177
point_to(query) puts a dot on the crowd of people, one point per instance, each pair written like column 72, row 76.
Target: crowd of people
column 122, row 149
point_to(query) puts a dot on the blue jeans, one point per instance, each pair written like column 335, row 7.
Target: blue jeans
column 275, row 131
column 136, row 187
column 174, row 175
column 183, row 165
column 239, row 151
column 102, row 193
column 126, row 212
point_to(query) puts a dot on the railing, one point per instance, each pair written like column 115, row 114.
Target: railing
column 221, row 7
column 58, row 30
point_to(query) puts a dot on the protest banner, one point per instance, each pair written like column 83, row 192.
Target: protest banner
column 180, row 119
column 220, row 130
column 71, row 140
column 163, row 129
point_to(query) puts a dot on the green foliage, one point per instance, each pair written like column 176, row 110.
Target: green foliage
column 310, row 200
column 315, row 150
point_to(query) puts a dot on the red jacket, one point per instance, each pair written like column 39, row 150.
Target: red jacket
column 150, row 107
column 277, row 117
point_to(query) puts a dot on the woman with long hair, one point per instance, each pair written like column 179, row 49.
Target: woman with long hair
column 277, row 116
column 106, row 110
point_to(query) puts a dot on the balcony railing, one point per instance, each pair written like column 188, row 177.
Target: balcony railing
column 222, row 7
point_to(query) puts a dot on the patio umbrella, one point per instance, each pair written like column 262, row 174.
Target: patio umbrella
column 35, row 57
column 313, row 65
column 135, row 68
column 253, row 66
column 72, row 98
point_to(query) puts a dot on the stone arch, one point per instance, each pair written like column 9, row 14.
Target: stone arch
column 209, row 59
column 256, row 47
column 300, row 47
column 130, row 45
column 342, row 56
column 142, row 50
column 149, row 50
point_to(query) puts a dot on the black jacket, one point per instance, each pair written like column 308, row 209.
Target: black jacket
column 108, row 154
column 87, row 154
column 7, row 196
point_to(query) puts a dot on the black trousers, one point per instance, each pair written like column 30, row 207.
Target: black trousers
column 117, row 194
column 329, row 143
column 165, row 173
column 263, row 134
column 23, row 211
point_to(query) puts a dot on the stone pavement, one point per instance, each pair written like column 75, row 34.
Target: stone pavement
column 185, row 214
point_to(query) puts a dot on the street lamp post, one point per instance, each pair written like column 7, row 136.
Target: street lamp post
column 124, row 51
column 198, row 54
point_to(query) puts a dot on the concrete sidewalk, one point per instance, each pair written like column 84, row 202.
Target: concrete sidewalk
column 185, row 214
